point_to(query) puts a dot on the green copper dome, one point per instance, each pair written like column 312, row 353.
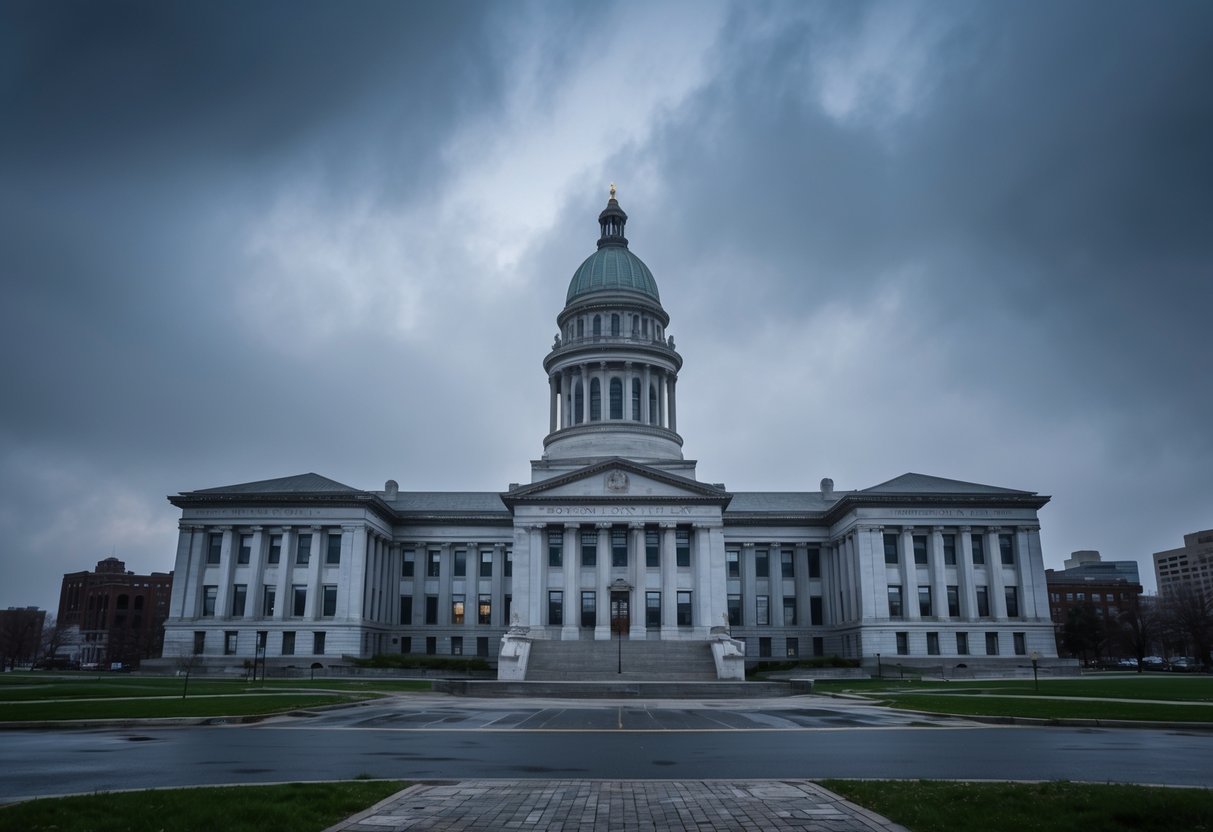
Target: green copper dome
column 612, row 268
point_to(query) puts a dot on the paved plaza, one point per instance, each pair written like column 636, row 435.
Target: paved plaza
column 627, row 805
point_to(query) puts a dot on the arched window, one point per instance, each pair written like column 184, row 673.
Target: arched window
column 654, row 416
column 581, row 327
column 597, row 325
column 615, row 325
column 578, row 403
column 644, row 327
column 595, row 400
column 635, row 325
column 616, row 398
column 123, row 601
column 636, row 400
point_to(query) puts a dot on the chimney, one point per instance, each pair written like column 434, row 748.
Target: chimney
column 391, row 489
column 827, row 487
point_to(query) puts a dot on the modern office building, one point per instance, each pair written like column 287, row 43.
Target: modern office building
column 613, row 535
column 1107, row 587
column 120, row 615
column 1190, row 565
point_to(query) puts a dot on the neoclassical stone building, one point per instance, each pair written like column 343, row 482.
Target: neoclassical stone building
column 613, row 535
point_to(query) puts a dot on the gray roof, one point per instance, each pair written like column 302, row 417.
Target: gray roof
column 781, row 502
column 297, row 484
column 925, row 484
column 460, row 502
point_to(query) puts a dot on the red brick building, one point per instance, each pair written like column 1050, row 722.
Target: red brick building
column 120, row 614
column 1105, row 588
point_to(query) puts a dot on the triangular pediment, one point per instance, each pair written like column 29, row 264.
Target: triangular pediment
column 912, row 483
column 298, row 484
column 616, row 479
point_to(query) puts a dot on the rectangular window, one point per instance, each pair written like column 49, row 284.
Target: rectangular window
column 262, row 637
column 816, row 618
column 303, row 552
column 406, row 610
column 484, row 609
column 199, row 642
column 507, row 603
column 482, row 646
column 461, row 563
column 433, row 565
column 991, row 644
column 239, row 597
column 903, row 644
column 764, row 647
column 895, row 608
column 589, row 549
column 555, row 607
column 979, row 549
column 456, row 645
column 275, row 553
column 406, row 644
column 1006, row 549
column 486, row 564
column 734, row 602
column 214, row 549
column 245, row 552
column 789, row 612
column 732, row 563
column 684, row 609
column 431, row 645
column 431, row 609
column 209, row 596
column 962, row 644
column 288, row 643
column 652, row 549
column 1021, row 644
column 924, row 601
column 318, row 643
column 555, row 549
column 619, row 548
column 1012, row 593
column 762, row 564
column 983, row 602
column 682, row 549
column 890, row 550
column 920, row 550
column 269, row 594
column 508, row 571
column 589, row 608
column 949, row 550
column 299, row 600
column 932, row 644
column 954, row 601
column 408, row 565
column 329, row 608
column 762, row 610
column 229, row 642
column 819, row 646
column 814, row 563
column 652, row 609
column 457, row 605
column 787, row 567
column 332, row 555
column 792, row 648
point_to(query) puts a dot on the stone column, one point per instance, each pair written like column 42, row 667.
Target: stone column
column 421, row 556
column 602, row 597
column 285, row 570
column 645, row 416
column 537, row 571
column 552, row 395
column 497, row 588
column 636, row 572
column 701, row 584
column 585, row 393
column 939, row 581
column 444, row 584
column 749, row 585
column 775, row 583
column 227, row 567
column 669, row 583
column 571, row 564
column 189, row 564
column 800, row 558
column 313, row 574
column 471, row 596
column 1034, row 556
column 909, row 574
column 968, row 577
column 252, row 595
column 673, row 409
column 604, row 392
column 998, row 598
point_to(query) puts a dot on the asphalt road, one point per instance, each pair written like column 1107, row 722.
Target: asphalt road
column 430, row 737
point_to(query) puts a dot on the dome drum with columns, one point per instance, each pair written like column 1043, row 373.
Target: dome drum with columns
column 613, row 537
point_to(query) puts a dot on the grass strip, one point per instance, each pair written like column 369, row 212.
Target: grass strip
column 1051, row 708
column 232, row 706
column 34, row 687
column 293, row 807
column 1190, row 688
column 935, row 806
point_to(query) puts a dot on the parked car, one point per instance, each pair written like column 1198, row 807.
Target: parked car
column 1184, row 664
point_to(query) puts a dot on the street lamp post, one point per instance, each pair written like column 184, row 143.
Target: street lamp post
column 1035, row 678
column 879, row 668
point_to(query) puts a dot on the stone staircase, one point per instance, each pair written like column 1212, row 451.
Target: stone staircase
column 599, row 661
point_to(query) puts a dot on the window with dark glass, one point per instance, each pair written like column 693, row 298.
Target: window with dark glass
column 578, row 402
column 230, row 638
column 684, row 609
column 332, row 555
column 299, row 600
column 814, row 563
column 239, row 597
column 431, row 609
column 245, row 552
column 932, row 644
column 991, row 644
column 787, row 568
column 406, row 610
column 199, row 642
column 288, row 643
column 652, row 549
column 619, row 548
column 764, row 647
column 762, row 563
column 734, row 602
column 209, row 595
column 920, row 550
column 482, row 646
column 615, row 325
column 508, row 570
column 431, row 645
column 595, row 400
column 682, row 548
column 461, row 563
column 890, row 549
column 654, row 416
column 962, row 644
column 597, row 325
column 408, row 565
column 732, row 563
column 762, row 610
column 954, row 601
column 816, row 616
column 303, row 552
column 275, row 553
column 406, row 644
column 486, row 564
column 895, row 608
column 484, row 609
column 329, row 600
column 589, row 608
column 318, row 643
column 1020, row 643
column 616, row 398
column 979, row 549
column 589, row 549
column 924, row 601
column 652, row 609
column 456, row 645
column 457, row 605
column 269, row 595
column 1006, row 549
column 635, row 400
column 792, row 648
column 789, row 612
column 949, row 550
column 506, row 605
column 214, row 550
column 983, row 602
column 1012, row 596
column 555, row 607
column 903, row 644
column 433, row 567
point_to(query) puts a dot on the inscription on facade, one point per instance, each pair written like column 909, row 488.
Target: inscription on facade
column 256, row 512
column 617, row 511
column 950, row 512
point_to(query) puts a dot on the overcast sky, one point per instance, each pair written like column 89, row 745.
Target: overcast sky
column 247, row 240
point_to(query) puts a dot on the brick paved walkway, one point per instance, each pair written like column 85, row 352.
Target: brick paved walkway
column 630, row 805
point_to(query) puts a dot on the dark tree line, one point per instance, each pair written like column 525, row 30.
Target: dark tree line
column 1179, row 623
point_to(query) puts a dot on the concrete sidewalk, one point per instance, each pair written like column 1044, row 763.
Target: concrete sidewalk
column 629, row 805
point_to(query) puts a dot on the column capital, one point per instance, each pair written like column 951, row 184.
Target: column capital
column 316, row 528
column 749, row 544
column 603, row 525
column 635, row 526
column 256, row 528
column 667, row 526
column 222, row 528
column 964, row 529
column 1028, row 528
column 572, row 527
column 350, row 527
column 937, row 529
column 190, row 527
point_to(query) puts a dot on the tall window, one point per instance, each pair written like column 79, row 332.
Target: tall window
column 1021, row 644
column 816, row 617
column 983, row 601
column 762, row 610
column 461, row 564
column 288, row 643
column 298, row 600
column 895, row 608
column 230, row 638
column 244, row 553
column 318, row 643
column 635, row 400
column 332, row 555
column 654, row 416
column 595, row 400
column 954, row 601
column 1006, row 549
column 589, row 549
column 762, row 563
column 949, row 550
column 329, row 600
column 932, row 644
column 615, row 328
column 682, row 548
column 581, row 327
column 792, row 647
column 555, row 607
column 589, row 608
column 991, row 644
column 616, row 398
column 508, row 569
column 303, row 551
column 199, row 642
column 920, row 550
column 1012, row 595
column 486, row 564
column 209, row 595
column 239, row 596
column 684, row 609
column 619, row 548
column 555, row 549
column 214, row 549
column 789, row 611
column 268, row 596
column 578, row 403
column 652, row 609
column 924, row 601
column 408, row 565
column 597, row 325
column 275, row 554
column 431, row 609
column 457, row 605
column 652, row 549
column 979, row 549
column 734, row 602
column 962, row 644
column 732, row 563
column 890, row 549
column 814, row 563
column 484, row 609
column 456, row 645
column 433, row 566
column 787, row 567
column 406, row 613
column 903, row 644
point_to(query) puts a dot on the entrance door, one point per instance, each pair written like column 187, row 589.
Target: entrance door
column 621, row 619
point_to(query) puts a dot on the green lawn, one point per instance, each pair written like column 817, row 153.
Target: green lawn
column 1179, row 688
column 202, row 706
column 294, row 807
column 929, row 806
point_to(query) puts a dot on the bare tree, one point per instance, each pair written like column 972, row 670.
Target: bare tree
column 1138, row 628
column 1189, row 617
column 185, row 663
column 20, row 635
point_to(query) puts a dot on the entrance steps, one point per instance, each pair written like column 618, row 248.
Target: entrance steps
column 621, row 661
column 620, row 690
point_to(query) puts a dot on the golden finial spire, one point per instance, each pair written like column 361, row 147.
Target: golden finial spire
column 612, row 190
